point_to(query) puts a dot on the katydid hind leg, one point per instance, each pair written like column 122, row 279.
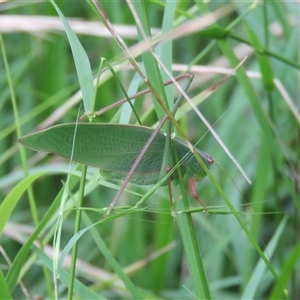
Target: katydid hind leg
column 195, row 196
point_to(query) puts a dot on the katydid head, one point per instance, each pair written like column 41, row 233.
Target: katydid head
column 194, row 168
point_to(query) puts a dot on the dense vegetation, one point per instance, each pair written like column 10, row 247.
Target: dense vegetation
column 248, row 245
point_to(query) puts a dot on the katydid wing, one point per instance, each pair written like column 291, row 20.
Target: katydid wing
column 113, row 148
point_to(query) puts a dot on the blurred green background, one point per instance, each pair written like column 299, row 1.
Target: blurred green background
column 256, row 116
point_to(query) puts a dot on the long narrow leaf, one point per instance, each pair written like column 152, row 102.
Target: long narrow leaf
column 82, row 64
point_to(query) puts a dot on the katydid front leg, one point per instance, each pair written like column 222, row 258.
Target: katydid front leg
column 195, row 196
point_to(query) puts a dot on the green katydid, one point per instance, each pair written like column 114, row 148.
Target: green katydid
column 115, row 148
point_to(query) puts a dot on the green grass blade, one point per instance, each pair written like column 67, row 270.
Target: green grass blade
column 112, row 261
column 76, row 229
column 82, row 64
column 14, row 271
column 263, row 60
column 260, row 269
column 11, row 200
column 244, row 227
column 4, row 292
column 150, row 64
column 191, row 245
column 193, row 254
column 253, row 99
column 166, row 233
column 80, row 289
column 289, row 267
